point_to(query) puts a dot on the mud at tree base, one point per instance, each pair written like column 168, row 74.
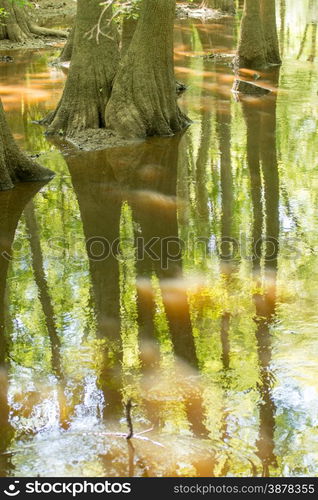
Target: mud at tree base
column 55, row 12
column 47, row 14
column 195, row 11
column 92, row 140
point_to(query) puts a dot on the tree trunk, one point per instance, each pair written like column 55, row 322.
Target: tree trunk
column 268, row 15
column 66, row 53
column 258, row 45
column 18, row 26
column 251, row 50
column 93, row 67
column 15, row 166
column 128, row 30
column 282, row 15
column 143, row 101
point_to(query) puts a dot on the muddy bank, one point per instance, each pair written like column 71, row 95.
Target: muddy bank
column 47, row 14
column 86, row 141
column 55, row 13
column 186, row 11
column 33, row 44
column 97, row 139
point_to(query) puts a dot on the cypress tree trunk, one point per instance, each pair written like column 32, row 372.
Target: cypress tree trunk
column 143, row 101
column 93, row 67
column 15, row 166
column 251, row 51
column 18, row 26
column 66, row 54
column 128, row 29
column 268, row 15
column 258, row 45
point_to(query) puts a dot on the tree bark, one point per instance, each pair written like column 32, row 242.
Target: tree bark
column 15, row 166
column 18, row 26
column 129, row 26
column 143, row 101
column 66, row 53
column 258, row 45
column 268, row 15
column 251, row 49
column 93, row 67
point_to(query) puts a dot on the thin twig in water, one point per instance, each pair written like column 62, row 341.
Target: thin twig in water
column 129, row 419
column 131, row 458
column 137, row 436
column 144, row 432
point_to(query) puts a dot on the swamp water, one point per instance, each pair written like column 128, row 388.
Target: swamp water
column 212, row 333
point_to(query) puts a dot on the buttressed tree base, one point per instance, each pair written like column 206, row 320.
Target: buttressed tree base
column 15, row 166
column 17, row 24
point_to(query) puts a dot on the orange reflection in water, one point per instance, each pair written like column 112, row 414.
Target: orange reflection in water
column 19, row 89
column 195, row 72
